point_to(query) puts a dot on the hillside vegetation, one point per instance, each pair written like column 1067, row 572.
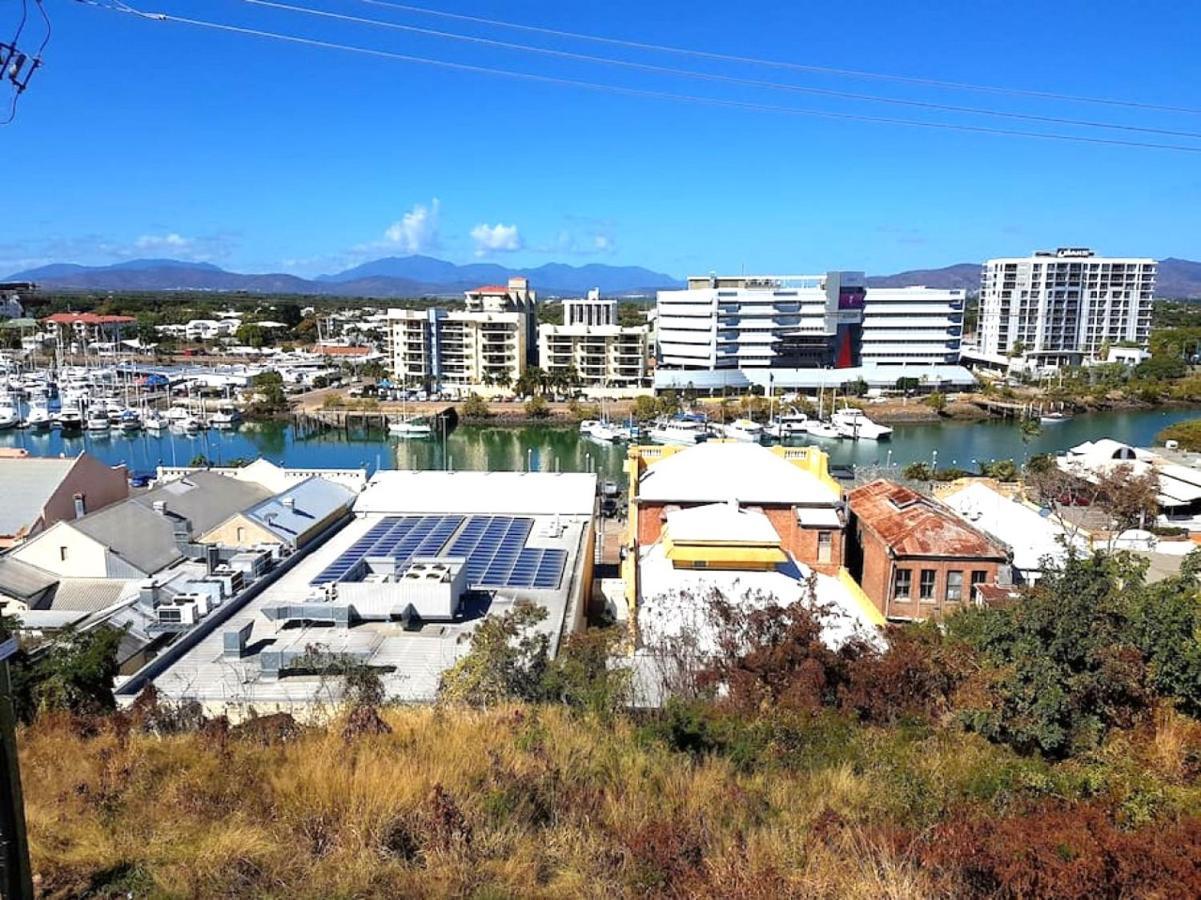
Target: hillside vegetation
column 1048, row 749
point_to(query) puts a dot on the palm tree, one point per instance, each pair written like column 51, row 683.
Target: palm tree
column 1029, row 429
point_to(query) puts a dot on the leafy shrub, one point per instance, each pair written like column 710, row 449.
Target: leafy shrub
column 537, row 407
column 475, row 407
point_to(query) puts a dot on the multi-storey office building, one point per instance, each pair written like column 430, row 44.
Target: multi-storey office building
column 489, row 342
column 806, row 321
column 912, row 325
column 1058, row 307
column 591, row 341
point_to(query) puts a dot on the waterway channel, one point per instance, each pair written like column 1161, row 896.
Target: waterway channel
column 551, row 448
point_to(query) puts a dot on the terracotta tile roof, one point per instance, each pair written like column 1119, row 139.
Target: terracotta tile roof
column 491, row 289
column 913, row 525
column 341, row 350
column 997, row 594
column 87, row 318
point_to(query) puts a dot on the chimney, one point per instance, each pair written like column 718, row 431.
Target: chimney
column 289, row 502
column 212, row 557
column 160, row 507
column 148, row 594
column 80, row 506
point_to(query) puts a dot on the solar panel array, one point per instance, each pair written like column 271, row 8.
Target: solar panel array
column 493, row 545
column 399, row 537
column 497, row 555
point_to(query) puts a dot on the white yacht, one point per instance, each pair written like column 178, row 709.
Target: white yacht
column 70, row 418
column 38, row 417
column 410, row 428
column 854, row 424
column 789, row 425
column 600, row 430
column 154, row 422
column 226, row 416
column 8, row 417
column 130, row 421
column 679, row 431
column 97, row 422
column 819, row 429
column 743, row 430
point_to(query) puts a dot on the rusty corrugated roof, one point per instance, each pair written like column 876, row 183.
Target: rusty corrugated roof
column 914, row 525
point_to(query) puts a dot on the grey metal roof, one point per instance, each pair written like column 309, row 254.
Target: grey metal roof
column 23, row 581
column 299, row 509
column 146, row 539
column 26, row 483
column 205, row 499
column 88, row 594
column 142, row 537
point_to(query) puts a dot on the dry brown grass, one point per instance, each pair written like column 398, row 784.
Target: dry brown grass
column 505, row 803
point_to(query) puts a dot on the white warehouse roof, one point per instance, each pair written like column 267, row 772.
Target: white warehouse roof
column 510, row 493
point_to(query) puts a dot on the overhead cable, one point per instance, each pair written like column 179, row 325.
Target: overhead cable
column 632, row 91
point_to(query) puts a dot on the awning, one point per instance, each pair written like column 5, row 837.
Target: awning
column 818, row 517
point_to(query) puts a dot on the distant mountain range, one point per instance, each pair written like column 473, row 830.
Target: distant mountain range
column 393, row 276
column 418, row 276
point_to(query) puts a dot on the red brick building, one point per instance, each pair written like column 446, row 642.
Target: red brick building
column 790, row 486
column 916, row 558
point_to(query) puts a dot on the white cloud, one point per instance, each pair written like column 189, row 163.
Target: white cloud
column 496, row 238
column 156, row 243
column 417, row 231
column 603, row 243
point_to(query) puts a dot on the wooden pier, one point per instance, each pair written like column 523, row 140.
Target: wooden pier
column 308, row 422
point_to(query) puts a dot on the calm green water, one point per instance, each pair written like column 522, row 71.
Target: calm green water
column 547, row 448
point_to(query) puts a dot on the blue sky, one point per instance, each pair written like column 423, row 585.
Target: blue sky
column 143, row 138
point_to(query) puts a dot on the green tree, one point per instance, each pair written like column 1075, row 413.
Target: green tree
column 268, row 394
column 507, row 661
column 937, row 401
column 251, row 335
column 550, row 313
column 532, row 381
column 74, row 673
column 584, row 676
column 1001, row 469
column 1061, row 666
column 646, row 408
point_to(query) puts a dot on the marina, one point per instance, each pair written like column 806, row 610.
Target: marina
column 561, row 447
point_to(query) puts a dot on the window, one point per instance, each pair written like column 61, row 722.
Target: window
column 926, row 587
column 902, row 584
column 62, row 554
column 954, row 586
column 241, row 535
column 979, row 576
column 825, row 546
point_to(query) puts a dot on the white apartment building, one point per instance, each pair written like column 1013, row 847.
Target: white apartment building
column 1059, row 307
column 806, row 321
column 487, row 343
column 591, row 341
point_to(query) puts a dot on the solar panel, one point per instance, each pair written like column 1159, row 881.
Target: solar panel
column 494, row 547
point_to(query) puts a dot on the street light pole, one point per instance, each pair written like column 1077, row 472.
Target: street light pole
column 16, row 880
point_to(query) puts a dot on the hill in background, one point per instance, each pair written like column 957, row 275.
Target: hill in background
column 416, row 276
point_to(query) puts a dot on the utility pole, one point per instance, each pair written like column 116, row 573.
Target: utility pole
column 16, row 882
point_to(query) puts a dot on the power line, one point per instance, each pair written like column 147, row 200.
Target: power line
column 630, row 91
column 710, row 76
column 779, row 64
